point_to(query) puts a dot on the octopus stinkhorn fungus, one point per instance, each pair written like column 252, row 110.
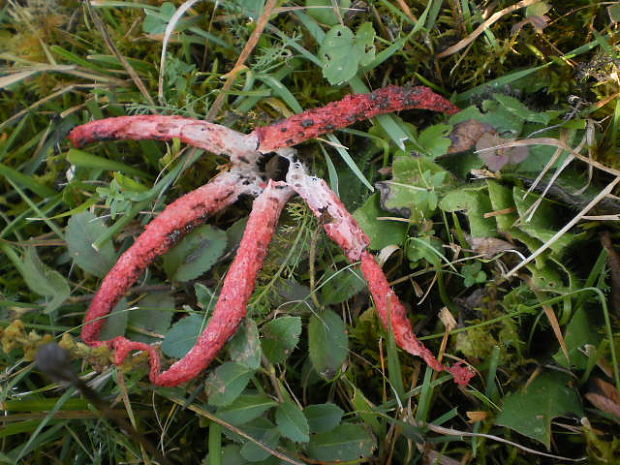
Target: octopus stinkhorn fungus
column 246, row 175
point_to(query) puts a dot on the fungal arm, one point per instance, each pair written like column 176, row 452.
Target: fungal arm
column 231, row 307
column 208, row 136
column 176, row 220
column 343, row 229
column 345, row 112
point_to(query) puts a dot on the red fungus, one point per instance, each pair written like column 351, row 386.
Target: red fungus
column 343, row 113
column 246, row 176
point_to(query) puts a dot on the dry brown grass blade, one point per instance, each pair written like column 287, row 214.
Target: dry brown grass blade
column 555, row 143
column 607, row 190
column 261, row 24
column 455, row 432
column 480, row 29
column 555, row 325
column 110, row 44
column 40, row 102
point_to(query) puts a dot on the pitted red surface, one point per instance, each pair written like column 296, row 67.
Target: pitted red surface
column 246, row 177
column 343, row 113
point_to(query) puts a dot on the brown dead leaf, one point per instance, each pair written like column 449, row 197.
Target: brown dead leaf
column 465, row 135
column 604, row 404
column 476, row 416
column 606, row 399
column 488, row 247
column 495, row 156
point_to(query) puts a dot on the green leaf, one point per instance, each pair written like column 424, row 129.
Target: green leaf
column 545, row 223
column 583, row 328
column 434, row 139
column 341, row 285
column 364, row 409
column 518, row 109
column 82, row 231
column 195, row 254
column 614, row 13
column 205, row 297
column 182, row 336
column 263, row 431
column 342, row 52
column 412, row 192
column 323, row 10
column 493, row 113
column 280, row 337
column 226, row 383
column 292, row 422
column 246, row 408
column 424, row 248
column 327, row 338
column 154, row 314
column 115, row 322
column 345, row 442
column 84, row 159
column 475, row 202
column 230, row 455
column 244, row 347
column 155, row 21
column 381, row 232
column 530, row 412
column 43, row 280
column 323, row 417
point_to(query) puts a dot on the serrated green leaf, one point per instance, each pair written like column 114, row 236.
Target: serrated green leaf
column 583, row 328
column 82, row 231
column 503, row 121
column 263, row 431
column 244, row 347
column 230, row 455
column 341, row 285
column 43, row 280
column 195, row 254
column 280, row 337
column 364, row 409
column 381, row 232
column 226, row 383
column 531, row 411
column 292, row 422
column 435, row 139
column 182, row 336
column 475, row 202
column 412, row 192
column 115, row 322
column 520, row 110
column 327, row 338
column 154, row 314
column 342, row 52
column 545, row 223
column 205, row 297
column 323, row 417
column 345, row 442
column 246, row 408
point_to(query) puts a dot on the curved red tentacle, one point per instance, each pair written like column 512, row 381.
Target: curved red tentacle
column 343, row 229
column 208, row 136
column 160, row 235
column 343, row 113
column 231, row 306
